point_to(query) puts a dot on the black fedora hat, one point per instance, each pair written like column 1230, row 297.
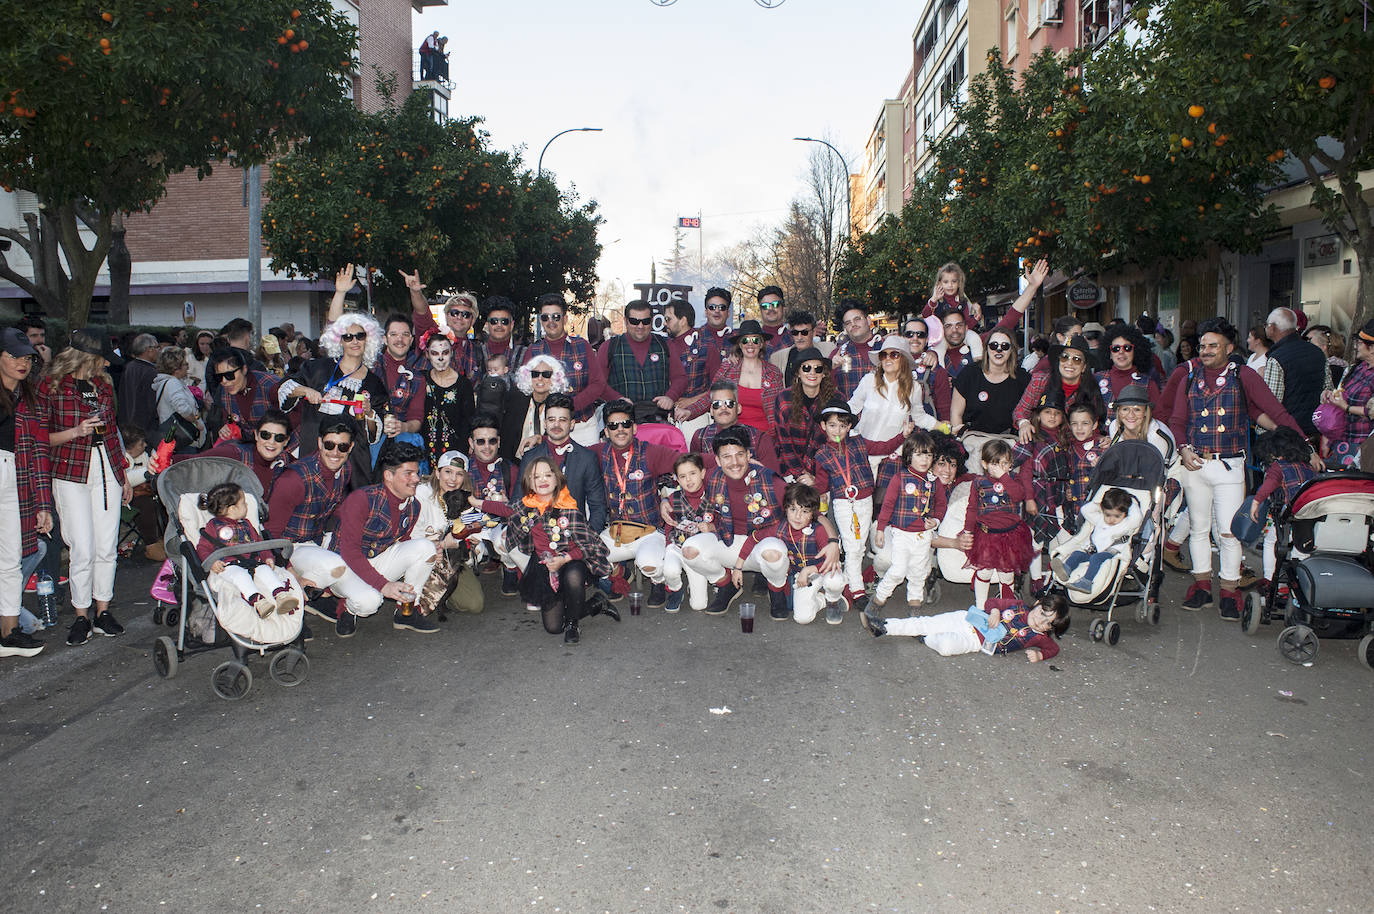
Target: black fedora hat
column 750, row 328
column 95, row 341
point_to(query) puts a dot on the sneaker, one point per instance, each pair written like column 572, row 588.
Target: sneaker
column 346, row 625
column 571, row 635
column 287, row 602
column 857, row 601
column 510, row 582
column 80, row 632
column 263, row 606
column 760, row 585
column 1199, row 595
column 106, row 625
column 1174, row 560
column 874, row 625
column 1230, row 605
column 779, row 606
column 672, row 601
column 658, row 595
column 327, row 608
column 1060, row 569
column 18, row 644
column 1247, row 578
column 413, row 621
column 723, row 600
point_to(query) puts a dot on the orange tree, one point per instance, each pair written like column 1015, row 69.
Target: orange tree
column 400, row 191
column 102, row 100
column 1279, row 81
column 1065, row 160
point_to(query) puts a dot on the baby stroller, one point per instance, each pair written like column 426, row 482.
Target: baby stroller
column 216, row 613
column 1138, row 468
column 1322, row 557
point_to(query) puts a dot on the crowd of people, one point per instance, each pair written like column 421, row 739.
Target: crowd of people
column 406, row 458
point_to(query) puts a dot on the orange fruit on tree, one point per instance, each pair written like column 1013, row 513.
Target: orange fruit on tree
column 1327, row 83
column 1186, row 143
column 108, row 17
column 1196, row 111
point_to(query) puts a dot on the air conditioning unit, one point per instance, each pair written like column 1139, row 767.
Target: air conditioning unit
column 1051, row 12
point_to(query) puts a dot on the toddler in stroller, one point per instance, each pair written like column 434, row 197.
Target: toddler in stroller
column 255, row 574
column 1108, row 526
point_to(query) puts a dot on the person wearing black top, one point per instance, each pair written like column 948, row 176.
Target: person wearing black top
column 985, row 395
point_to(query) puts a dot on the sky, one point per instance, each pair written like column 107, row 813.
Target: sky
column 698, row 102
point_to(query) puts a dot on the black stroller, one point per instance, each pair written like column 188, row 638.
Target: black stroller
column 1322, row 558
column 216, row 614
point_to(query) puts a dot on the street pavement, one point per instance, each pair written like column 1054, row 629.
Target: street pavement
column 490, row 768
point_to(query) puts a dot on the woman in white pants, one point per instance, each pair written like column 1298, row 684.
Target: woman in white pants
column 25, row 487
column 76, row 403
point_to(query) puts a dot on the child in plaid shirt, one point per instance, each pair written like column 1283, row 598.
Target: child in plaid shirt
column 1285, row 455
column 685, row 513
column 804, row 536
column 912, row 508
column 255, row 575
column 1015, row 627
column 843, row 470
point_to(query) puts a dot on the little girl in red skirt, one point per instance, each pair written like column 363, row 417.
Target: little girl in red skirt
column 995, row 536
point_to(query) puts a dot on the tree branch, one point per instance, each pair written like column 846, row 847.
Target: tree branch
column 18, row 238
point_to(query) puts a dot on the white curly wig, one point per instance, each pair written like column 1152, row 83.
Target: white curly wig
column 333, row 346
column 560, row 376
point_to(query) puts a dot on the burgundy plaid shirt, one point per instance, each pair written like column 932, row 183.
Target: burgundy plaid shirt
column 60, row 407
column 564, row 529
column 689, row 513
column 1285, row 478
column 803, row 546
column 221, row 532
column 911, row 500
column 797, row 443
column 632, row 479
column 33, row 471
column 405, row 384
column 1079, row 459
column 839, row 466
column 246, row 408
column 850, row 362
column 304, row 498
column 1358, row 388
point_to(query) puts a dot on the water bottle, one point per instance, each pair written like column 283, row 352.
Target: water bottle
column 47, row 600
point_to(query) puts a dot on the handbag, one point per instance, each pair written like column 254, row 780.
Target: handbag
column 624, row 532
column 1330, row 421
column 177, row 427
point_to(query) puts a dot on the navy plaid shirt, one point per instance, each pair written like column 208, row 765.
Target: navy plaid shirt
column 835, row 461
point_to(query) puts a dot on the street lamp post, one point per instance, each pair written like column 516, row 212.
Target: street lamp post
column 540, row 170
column 848, row 192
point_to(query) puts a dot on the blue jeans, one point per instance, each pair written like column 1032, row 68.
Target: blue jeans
column 27, row 620
column 1090, row 562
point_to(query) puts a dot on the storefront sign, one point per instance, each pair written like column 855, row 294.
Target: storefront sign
column 1083, row 294
column 1321, row 250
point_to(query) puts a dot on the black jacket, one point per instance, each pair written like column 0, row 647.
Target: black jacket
column 1304, row 378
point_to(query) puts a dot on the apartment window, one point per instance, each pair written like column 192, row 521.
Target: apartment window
column 1013, row 32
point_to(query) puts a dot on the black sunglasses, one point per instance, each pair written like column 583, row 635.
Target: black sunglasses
column 272, row 436
column 722, row 404
column 541, row 373
column 486, row 440
column 1000, row 347
column 343, row 446
column 350, row 337
column 917, row 334
column 499, row 321
column 812, row 369
column 639, row 321
column 225, row 375
column 1123, row 348
column 802, row 329
column 619, row 424
column 717, row 307
column 550, row 317
column 456, row 313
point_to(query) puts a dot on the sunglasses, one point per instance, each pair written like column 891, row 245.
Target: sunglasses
column 889, row 354
column 812, row 369
column 352, row 337
column 1000, row 347
column 917, row 334
column 722, row 404
column 551, row 317
column 1071, row 358
column 801, row 330
column 225, row 375
column 272, row 436
column 770, row 304
column 486, row 441
column 498, row 321
column 340, row 446
column 542, row 373
column 639, row 321
column 1123, row 347
column 717, row 307
column 466, row 315
column 622, row 423
column 751, row 341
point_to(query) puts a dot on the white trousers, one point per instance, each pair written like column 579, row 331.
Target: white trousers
column 714, row 559
column 853, row 547
column 263, row 580
column 11, row 538
column 809, row 600
column 911, row 555
column 324, row 569
column 674, row 569
column 410, row 561
column 1214, row 493
column 647, row 552
column 89, row 512
column 1179, row 530
column 947, row 634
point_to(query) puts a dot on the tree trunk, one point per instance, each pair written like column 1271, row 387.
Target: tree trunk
column 121, row 270
column 83, row 264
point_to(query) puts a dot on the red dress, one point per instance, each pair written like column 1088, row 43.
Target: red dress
column 1001, row 539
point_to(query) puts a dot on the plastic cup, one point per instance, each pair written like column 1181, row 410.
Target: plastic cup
column 636, row 603
column 746, row 617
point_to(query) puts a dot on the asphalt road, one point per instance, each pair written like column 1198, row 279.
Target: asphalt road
column 489, row 768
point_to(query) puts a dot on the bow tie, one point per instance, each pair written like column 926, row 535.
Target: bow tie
column 491, row 467
column 561, row 450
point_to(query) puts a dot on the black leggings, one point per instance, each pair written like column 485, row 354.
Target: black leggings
column 569, row 602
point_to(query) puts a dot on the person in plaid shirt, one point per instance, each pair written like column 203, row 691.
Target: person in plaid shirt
column 771, row 309
column 402, row 369
column 807, row 589
column 460, row 311
column 254, row 575
column 685, row 513
column 912, row 508
column 1286, row 457
column 796, row 416
column 1081, row 449
column 851, row 360
column 1035, row 630
column 243, row 395
column 1356, row 397
column 76, row 404
column 1042, row 469
column 842, row 471
column 631, row 469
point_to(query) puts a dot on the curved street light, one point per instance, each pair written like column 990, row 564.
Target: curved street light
column 540, row 170
column 848, row 191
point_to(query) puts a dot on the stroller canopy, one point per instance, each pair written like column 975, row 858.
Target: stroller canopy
column 1129, row 464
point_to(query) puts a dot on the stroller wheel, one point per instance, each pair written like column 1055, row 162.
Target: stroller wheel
column 1366, row 651
column 173, row 616
column 165, row 657
column 1154, row 613
column 289, row 667
column 231, row 680
column 158, row 610
column 1113, row 633
column 1097, row 629
column 1298, row 644
column 1252, row 614
column 1142, row 612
